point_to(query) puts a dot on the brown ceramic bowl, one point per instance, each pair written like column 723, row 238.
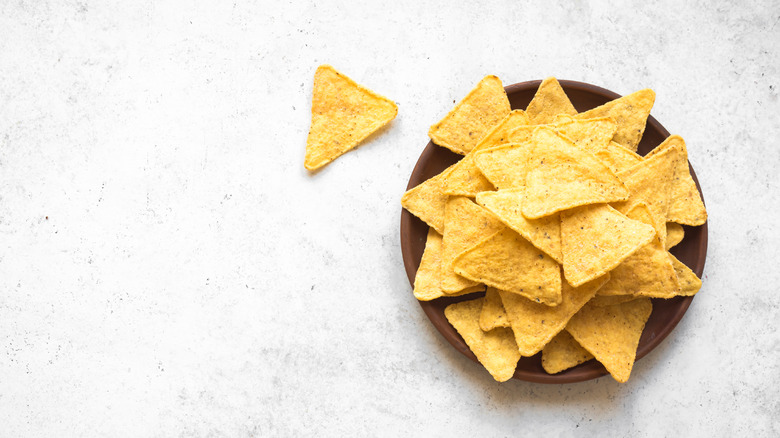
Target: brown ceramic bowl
column 666, row 313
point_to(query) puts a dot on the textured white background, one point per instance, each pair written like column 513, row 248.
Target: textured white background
column 192, row 279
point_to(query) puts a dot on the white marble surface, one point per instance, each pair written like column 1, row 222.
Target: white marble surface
column 168, row 267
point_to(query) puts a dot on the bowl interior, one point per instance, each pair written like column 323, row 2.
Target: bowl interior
column 666, row 313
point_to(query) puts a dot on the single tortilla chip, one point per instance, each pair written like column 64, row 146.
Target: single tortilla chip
column 427, row 201
column 466, row 224
column 597, row 238
column 504, row 166
column 427, row 282
column 343, row 114
column 685, row 204
column 510, row 263
column 610, row 300
column 496, row 350
column 689, row 282
column 648, row 272
column 630, row 113
column 549, row 101
column 472, row 117
column 674, row 234
column 465, row 179
column 493, row 314
column 562, row 353
column 561, row 176
column 544, row 233
column 611, row 334
column 535, row 324
column 618, row 158
column 592, row 135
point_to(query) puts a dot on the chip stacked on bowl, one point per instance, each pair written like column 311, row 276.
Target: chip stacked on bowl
column 567, row 227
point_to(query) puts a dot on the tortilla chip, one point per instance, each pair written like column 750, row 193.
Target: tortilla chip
column 650, row 183
column 544, row 233
column 426, row 201
column 504, row 166
column 549, row 101
column 685, row 204
column 592, row 135
column 674, row 234
column 427, row 284
column 648, row 272
column 343, row 114
column 689, row 282
column 611, row 334
column 630, row 112
column 561, row 176
column 493, row 314
column 610, row 300
column 618, row 158
column 466, row 224
column 510, row 263
column 535, row 324
column 562, row 353
column 472, row 117
column 465, row 179
column 496, row 350
column 597, row 238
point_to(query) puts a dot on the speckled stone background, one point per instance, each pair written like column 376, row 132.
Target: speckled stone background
column 168, row 267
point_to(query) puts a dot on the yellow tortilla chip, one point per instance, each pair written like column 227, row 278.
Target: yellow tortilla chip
column 689, row 282
column 472, row 118
column 648, row 272
column 610, row 300
column 596, row 238
column 343, row 114
column 465, row 225
column 618, row 158
column 465, row 179
column 544, row 233
column 562, row 353
column 427, row 285
column 561, row 176
column 630, row 112
column 592, row 135
column 535, row 324
column 504, row 166
column 685, row 204
column 611, row 334
column 674, row 234
column 549, row 101
column 493, row 314
column 427, row 201
column 496, row 350
column 510, row 263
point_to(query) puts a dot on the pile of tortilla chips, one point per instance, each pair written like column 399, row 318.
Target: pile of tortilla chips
column 567, row 227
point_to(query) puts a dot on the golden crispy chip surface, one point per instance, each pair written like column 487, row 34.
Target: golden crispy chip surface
column 630, row 113
column 549, row 101
column 562, row 353
column 427, row 282
column 493, row 314
column 685, row 204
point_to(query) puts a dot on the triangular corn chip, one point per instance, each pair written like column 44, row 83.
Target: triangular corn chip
column 544, row 233
column 535, row 324
column 465, row 225
column 510, row 263
column 562, row 353
column 465, row 179
column 685, row 204
column 611, row 334
column 561, row 176
column 592, row 135
column 504, row 166
column 472, row 117
column 618, row 158
column 493, row 314
column 496, row 350
column 630, row 112
column 343, row 114
column 610, row 300
column 674, row 234
column 648, row 272
column 549, row 101
column 689, row 282
column 427, row 201
column 427, row 282
column 596, row 238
